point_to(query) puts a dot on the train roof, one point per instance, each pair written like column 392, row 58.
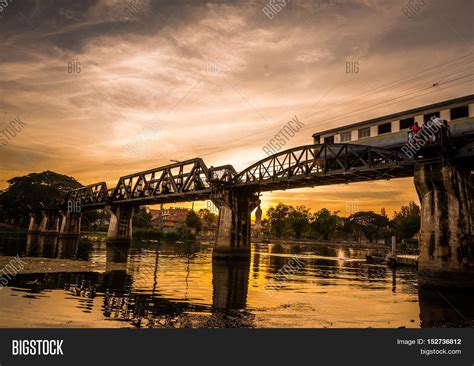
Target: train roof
column 398, row 114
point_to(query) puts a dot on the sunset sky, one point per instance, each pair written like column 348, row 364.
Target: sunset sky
column 217, row 79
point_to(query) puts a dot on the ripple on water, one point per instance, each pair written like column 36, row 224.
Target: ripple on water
column 167, row 285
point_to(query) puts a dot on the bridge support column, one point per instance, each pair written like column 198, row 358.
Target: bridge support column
column 446, row 241
column 70, row 224
column 34, row 226
column 50, row 222
column 233, row 231
column 120, row 227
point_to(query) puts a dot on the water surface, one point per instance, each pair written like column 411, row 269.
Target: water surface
column 180, row 285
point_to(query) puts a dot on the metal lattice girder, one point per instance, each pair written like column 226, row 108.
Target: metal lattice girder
column 323, row 164
column 222, row 174
column 185, row 178
column 298, row 167
column 93, row 194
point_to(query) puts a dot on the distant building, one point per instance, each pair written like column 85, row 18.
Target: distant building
column 172, row 218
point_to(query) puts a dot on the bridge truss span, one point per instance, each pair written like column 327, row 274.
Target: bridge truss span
column 324, row 164
column 181, row 181
column 93, row 195
column 304, row 166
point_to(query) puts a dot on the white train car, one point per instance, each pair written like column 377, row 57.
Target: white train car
column 392, row 130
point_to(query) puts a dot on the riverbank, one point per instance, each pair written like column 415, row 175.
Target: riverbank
column 56, row 265
column 354, row 245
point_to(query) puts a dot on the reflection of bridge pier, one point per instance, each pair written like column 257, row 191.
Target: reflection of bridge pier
column 116, row 253
column 230, row 279
column 444, row 307
column 33, row 244
column 446, row 247
column 68, row 247
column 49, row 246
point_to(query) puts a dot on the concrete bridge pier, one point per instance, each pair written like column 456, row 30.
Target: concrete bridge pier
column 446, row 236
column 34, row 226
column 233, row 231
column 50, row 222
column 120, row 227
column 70, row 224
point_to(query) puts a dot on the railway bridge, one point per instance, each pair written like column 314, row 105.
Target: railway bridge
column 442, row 176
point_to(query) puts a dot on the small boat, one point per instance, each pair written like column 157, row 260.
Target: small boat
column 374, row 259
column 403, row 260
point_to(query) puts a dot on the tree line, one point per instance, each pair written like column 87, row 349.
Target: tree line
column 298, row 222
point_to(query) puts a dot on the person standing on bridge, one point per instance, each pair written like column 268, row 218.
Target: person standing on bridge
column 447, row 127
column 414, row 130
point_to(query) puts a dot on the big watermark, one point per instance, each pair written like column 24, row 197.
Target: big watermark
column 273, row 7
column 288, row 131
column 10, row 131
column 428, row 131
column 284, row 274
column 10, row 270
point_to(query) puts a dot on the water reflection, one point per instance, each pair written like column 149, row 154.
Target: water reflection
column 180, row 285
column 35, row 245
column 117, row 253
column 230, row 280
column 445, row 308
column 68, row 248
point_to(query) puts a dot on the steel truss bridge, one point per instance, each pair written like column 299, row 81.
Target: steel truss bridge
column 304, row 166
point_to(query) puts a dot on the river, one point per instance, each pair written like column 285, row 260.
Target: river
column 179, row 285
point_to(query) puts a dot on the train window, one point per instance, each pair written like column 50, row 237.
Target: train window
column 460, row 112
column 317, row 139
column 329, row 140
column 345, row 136
column 385, row 128
column 364, row 132
column 406, row 123
column 428, row 116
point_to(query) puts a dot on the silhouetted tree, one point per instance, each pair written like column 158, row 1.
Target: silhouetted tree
column 372, row 225
column 298, row 220
column 324, row 224
column 193, row 221
column 208, row 219
column 142, row 218
column 278, row 217
column 406, row 222
column 29, row 191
